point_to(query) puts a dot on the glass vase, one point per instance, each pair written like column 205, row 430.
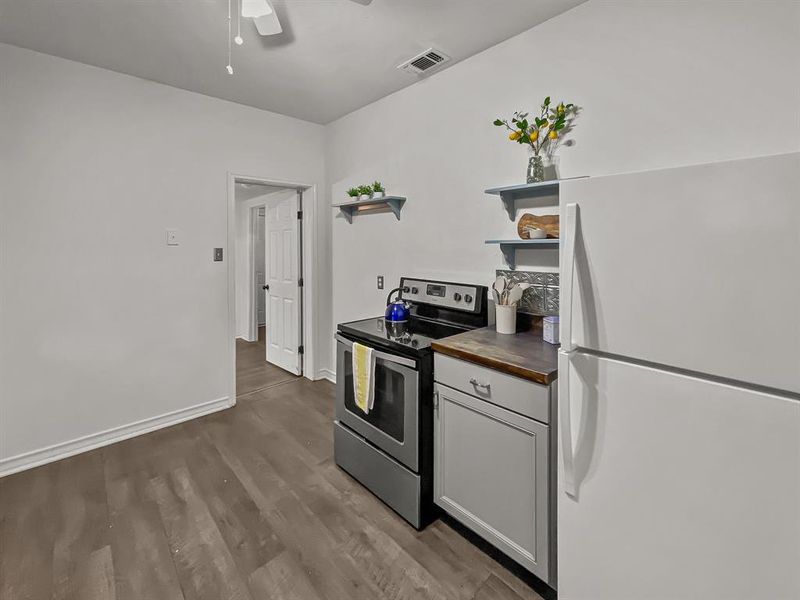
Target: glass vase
column 535, row 169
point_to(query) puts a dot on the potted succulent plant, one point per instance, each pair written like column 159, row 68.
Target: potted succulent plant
column 542, row 134
column 364, row 192
column 353, row 193
column 378, row 191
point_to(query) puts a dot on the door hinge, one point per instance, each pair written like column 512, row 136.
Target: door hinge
column 299, row 214
column 300, row 282
column 436, row 401
column 301, row 350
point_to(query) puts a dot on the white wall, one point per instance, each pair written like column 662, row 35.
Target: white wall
column 244, row 279
column 102, row 324
column 661, row 84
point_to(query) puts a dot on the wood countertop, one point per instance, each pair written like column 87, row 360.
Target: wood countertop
column 524, row 354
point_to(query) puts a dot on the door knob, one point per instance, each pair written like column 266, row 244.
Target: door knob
column 264, row 287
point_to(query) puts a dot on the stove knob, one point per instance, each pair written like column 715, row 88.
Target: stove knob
column 468, row 299
column 457, row 297
column 414, row 290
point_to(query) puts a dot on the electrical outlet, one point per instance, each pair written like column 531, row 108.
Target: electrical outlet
column 380, row 282
column 217, row 254
column 172, row 237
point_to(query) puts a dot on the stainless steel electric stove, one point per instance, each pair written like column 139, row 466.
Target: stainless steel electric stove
column 390, row 449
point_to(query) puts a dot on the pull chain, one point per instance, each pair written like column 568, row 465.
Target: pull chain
column 229, row 67
column 238, row 39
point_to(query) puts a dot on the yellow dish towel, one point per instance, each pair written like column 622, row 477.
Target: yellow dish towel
column 363, row 385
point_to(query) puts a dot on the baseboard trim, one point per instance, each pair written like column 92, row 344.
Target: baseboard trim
column 36, row 458
column 327, row 374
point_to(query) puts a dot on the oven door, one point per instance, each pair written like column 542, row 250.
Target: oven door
column 392, row 424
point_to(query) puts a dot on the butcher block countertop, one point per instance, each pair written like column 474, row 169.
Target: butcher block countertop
column 524, row 354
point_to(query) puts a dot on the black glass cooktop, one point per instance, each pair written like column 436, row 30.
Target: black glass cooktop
column 415, row 335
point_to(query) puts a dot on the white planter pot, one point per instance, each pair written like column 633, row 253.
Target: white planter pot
column 506, row 318
column 536, row 234
column 364, row 197
column 378, row 194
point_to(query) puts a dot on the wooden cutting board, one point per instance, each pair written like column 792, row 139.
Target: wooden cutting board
column 547, row 222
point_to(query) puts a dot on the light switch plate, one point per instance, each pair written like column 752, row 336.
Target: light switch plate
column 380, row 282
column 217, row 254
column 172, row 237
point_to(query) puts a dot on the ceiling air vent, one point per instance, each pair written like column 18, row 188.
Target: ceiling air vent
column 424, row 62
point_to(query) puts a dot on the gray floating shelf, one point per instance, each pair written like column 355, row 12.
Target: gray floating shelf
column 395, row 203
column 509, row 194
column 509, row 248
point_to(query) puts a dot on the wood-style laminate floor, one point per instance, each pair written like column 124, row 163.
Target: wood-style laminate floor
column 252, row 372
column 243, row 504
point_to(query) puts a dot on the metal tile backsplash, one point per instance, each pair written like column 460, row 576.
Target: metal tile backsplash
column 539, row 299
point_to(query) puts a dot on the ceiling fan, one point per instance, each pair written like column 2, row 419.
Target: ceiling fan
column 263, row 15
column 265, row 18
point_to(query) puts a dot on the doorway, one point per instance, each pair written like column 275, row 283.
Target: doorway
column 270, row 263
column 258, row 248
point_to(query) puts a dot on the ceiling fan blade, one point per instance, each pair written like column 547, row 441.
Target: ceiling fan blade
column 268, row 24
column 255, row 8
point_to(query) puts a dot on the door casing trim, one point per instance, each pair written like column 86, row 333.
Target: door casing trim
column 307, row 291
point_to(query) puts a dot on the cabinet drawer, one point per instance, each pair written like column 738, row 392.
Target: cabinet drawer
column 521, row 396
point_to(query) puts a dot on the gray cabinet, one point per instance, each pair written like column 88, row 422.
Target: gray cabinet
column 492, row 469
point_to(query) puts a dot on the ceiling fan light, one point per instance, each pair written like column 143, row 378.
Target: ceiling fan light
column 253, row 9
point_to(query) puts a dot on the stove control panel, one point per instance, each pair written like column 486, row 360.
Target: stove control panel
column 441, row 293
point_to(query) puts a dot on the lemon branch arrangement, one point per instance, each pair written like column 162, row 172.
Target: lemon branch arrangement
column 541, row 133
column 542, row 129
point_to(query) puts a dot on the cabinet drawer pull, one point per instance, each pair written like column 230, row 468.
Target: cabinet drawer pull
column 477, row 383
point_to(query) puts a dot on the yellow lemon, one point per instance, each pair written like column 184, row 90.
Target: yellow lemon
column 553, row 135
column 534, row 135
column 514, row 135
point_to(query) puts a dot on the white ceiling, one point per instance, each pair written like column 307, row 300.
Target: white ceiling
column 333, row 57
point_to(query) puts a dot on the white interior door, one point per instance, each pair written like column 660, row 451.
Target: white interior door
column 686, row 488
column 260, row 266
column 283, row 294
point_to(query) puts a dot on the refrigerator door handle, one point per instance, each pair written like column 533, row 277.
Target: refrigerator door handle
column 565, row 420
column 567, row 348
column 567, row 285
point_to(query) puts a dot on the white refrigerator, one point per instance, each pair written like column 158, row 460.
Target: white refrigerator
column 679, row 384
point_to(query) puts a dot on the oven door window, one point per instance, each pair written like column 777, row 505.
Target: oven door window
column 389, row 410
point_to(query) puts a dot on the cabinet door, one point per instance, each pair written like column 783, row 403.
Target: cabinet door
column 491, row 474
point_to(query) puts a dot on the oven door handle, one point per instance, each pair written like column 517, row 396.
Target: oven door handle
column 406, row 362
